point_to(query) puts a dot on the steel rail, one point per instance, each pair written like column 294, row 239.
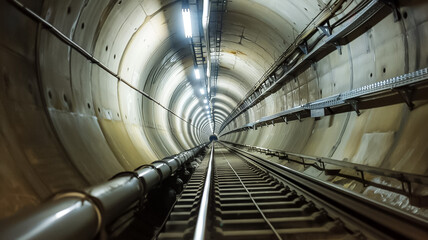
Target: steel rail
column 83, row 214
column 62, row 37
column 375, row 219
column 201, row 222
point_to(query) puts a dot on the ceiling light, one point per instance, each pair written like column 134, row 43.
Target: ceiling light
column 206, row 107
column 208, row 71
column 187, row 23
column 205, row 13
column 205, row 100
column 197, row 74
column 202, row 91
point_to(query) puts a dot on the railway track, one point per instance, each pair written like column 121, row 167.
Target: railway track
column 249, row 198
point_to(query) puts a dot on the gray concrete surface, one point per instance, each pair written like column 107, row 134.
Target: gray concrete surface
column 66, row 124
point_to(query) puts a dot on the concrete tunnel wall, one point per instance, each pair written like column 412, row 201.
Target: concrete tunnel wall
column 66, row 124
column 391, row 137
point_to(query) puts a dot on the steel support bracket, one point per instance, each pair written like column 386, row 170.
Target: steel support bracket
column 407, row 187
column 322, row 164
column 338, row 47
column 354, row 105
column 393, row 4
column 285, row 120
column 325, row 29
column 299, row 117
column 362, row 178
column 304, row 47
column 303, row 162
column 407, row 95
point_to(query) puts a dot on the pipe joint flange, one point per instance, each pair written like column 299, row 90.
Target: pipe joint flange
column 84, row 196
column 144, row 166
column 167, row 163
column 147, row 177
column 176, row 159
column 130, row 174
column 125, row 173
column 158, row 170
column 163, row 168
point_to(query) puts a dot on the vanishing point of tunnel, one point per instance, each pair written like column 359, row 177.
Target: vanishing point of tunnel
column 91, row 89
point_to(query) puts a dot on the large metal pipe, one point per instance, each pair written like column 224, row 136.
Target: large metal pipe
column 82, row 214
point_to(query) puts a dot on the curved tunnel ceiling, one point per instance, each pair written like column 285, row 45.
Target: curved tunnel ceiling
column 143, row 42
column 157, row 59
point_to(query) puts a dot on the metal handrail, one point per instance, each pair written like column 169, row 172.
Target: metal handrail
column 203, row 208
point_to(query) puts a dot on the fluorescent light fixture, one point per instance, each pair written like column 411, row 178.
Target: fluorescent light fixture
column 197, row 74
column 206, row 107
column 205, row 100
column 208, row 71
column 187, row 23
column 205, row 13
column 202, row 91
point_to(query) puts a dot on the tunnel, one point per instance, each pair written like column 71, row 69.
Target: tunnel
column 213, row 138
column 93, row 88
